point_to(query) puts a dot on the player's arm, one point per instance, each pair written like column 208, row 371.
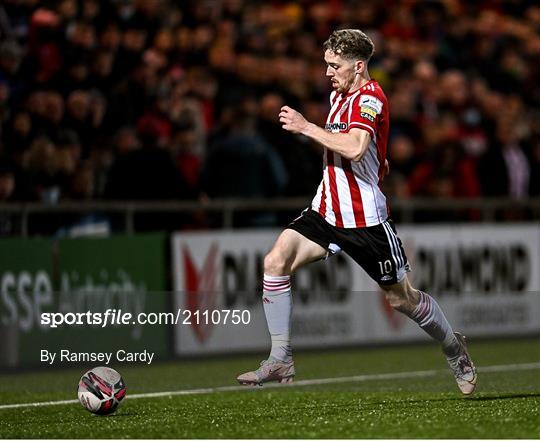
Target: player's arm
column 352, row 145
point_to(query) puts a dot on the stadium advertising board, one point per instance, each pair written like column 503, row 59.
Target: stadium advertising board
column 224, row 271
column 484, row 277
column 75, row 276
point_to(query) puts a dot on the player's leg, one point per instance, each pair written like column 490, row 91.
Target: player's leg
column 380, row 252
column 424, row 310
column 290, row 251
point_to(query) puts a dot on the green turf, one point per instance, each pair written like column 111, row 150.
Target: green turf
column 506, row 405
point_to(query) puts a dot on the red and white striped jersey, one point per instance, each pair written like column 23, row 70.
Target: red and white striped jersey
column 349, row 195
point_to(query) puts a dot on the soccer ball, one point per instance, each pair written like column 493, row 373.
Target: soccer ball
column 101, row 390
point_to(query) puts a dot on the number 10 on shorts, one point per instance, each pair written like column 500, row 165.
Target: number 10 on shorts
column 386, row 266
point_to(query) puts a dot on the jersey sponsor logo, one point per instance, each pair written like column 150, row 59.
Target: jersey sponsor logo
column 368, row 113
column 334, row 127
column 368, row 101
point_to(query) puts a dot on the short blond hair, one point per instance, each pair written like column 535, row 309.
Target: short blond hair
column 350, row 43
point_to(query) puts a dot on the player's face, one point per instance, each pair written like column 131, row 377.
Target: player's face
column 341, row 71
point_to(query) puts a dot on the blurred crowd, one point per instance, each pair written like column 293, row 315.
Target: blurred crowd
column 157, row 99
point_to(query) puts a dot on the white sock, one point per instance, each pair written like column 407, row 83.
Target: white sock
column 429, row 316
column 277, row 302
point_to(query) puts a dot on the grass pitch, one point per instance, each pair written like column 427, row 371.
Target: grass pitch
column 424, row 404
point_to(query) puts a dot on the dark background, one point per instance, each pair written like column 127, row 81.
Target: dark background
column 162, row 100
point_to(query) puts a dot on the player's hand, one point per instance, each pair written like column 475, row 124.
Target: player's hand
column 292, row 120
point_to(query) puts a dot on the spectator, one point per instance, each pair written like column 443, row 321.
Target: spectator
column 41, row 166
column 7, row 180
column 242, row 164
column 17, row 135
column 82, row 184
column 84, row 114
column 402, row 157
column 184, row 150
column 8, row 193
column 294, row 152
column 10, row 59
column 505, row 169
column 447, row 174
column 146, row 173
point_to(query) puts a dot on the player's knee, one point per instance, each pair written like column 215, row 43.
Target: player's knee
column 275, row 264
column 398, row 300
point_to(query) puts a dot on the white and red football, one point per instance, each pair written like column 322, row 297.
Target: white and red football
column 101, row 390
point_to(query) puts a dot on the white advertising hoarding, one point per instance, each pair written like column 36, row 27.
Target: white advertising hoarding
column 485, row 278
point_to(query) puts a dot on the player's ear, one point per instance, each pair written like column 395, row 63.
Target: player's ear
column 359, row 66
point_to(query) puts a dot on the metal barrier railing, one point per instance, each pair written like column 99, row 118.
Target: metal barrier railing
column 403, row 210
